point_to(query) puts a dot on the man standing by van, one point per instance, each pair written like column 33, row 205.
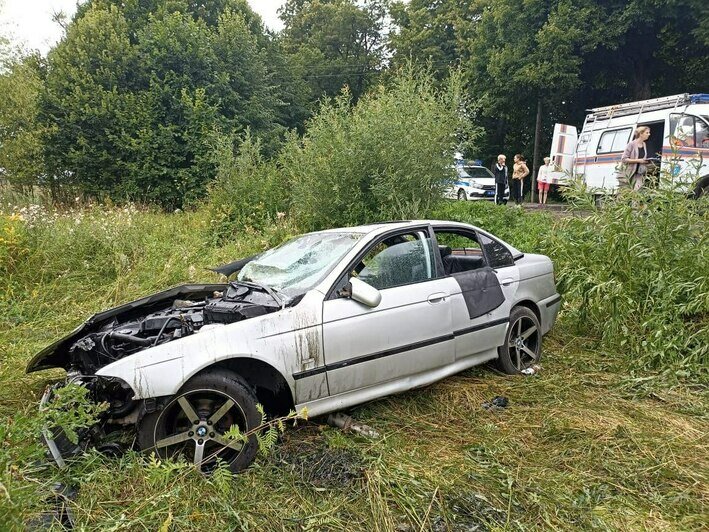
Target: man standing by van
column 500, row 171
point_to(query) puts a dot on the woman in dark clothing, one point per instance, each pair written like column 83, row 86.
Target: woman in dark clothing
column 500, row 171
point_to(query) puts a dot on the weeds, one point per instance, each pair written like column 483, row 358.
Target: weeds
column 574, row 450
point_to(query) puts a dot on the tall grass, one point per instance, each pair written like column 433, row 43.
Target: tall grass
column 634, row 275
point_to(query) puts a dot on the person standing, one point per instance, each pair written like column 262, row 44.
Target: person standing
column 634, row 160
column 543, row 181
column 500, row 171
column 519, row 172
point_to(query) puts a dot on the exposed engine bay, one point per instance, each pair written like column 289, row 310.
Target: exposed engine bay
column 126, row 334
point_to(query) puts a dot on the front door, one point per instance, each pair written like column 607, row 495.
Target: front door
column 409, row 332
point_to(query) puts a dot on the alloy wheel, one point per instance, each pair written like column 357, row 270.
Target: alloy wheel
column 194, row 426
column 523, row 343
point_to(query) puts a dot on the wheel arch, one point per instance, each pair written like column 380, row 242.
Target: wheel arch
column 531, row 305
column 270, row 386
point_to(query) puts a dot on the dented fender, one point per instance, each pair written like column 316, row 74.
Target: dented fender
column 289, row 340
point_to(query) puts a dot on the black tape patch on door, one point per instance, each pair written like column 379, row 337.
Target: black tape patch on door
column 481, row 291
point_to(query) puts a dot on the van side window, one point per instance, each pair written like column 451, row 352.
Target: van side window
column 614, row 141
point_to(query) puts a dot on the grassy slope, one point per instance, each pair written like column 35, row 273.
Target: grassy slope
column 573, row 449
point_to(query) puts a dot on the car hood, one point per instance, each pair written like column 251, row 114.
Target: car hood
column 56, row 355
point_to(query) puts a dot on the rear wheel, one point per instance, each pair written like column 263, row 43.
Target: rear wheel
column 461, row 195
column 194, row 422
column 523, row 342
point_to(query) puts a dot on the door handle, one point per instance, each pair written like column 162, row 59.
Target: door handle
column 507, row 282
column 438, row 297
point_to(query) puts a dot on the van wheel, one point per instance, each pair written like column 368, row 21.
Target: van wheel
column 702, row 188
column 523, row 342
column 462, row 196
column 193, row 423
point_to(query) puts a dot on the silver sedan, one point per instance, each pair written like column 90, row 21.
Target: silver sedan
column 324, row 321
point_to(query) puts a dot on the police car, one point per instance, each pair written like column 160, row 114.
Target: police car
column 473, row 182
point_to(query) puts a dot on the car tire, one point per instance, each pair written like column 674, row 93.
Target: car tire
column 462, row 196
column 523, row 342
column 219, row 400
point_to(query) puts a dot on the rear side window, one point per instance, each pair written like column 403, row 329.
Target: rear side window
column 498, row 256
column 614, row 141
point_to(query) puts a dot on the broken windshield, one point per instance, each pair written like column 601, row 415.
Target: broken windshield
column 298, row 265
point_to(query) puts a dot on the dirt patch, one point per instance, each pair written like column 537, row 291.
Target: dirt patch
column 311, row 460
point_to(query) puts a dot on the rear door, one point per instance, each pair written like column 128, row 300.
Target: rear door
column 563, row 151
column 409, row 332
column 481, row 295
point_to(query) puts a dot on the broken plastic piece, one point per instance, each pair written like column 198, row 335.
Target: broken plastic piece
column 497, row 403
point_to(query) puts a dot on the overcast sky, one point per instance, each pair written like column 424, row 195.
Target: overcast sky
column 29, row 22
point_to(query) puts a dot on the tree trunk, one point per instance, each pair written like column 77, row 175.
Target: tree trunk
column 641, row 80
column 537, row 135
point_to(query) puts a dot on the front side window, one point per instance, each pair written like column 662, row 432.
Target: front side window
column 398, row 260
column 682, row 130
column 298, row 265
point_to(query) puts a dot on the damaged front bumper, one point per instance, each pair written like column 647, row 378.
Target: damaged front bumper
column 47, row 435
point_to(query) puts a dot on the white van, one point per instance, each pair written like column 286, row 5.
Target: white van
column 679, row 140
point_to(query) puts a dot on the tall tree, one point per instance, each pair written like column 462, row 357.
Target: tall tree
column 335, row 43
column 137, row 90
column 21, row 82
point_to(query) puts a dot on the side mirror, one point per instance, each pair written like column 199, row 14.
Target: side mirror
column 364, row 293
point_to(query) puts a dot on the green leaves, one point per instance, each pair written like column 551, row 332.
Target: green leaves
column 135, row 94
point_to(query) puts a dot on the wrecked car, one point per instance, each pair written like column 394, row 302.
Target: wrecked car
column 326, row 321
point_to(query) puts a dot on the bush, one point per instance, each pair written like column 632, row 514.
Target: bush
column 634, row 274
column 388, row 157
column 248, row 191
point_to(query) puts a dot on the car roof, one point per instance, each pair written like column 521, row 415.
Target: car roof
column 383, row 227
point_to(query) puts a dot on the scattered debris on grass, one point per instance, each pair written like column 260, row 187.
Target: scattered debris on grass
column 347, row 423
column 498, row 403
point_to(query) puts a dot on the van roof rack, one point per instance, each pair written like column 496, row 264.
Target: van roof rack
column 645, row 106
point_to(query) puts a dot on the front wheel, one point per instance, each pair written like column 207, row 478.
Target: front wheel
column 461, row 195
column 194, row 422
column 523, row 342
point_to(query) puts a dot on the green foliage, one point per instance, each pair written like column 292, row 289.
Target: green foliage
column 21, row 81
column 268, row 431
column 248, row 190
column 69, row 410
column 632, row 274
column 388, row 157
column 334, row 43
column 135, row 95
